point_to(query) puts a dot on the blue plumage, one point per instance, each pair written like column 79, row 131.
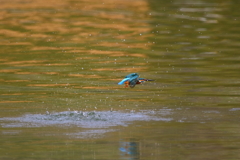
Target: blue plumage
column 132, row 79
column 124, row 80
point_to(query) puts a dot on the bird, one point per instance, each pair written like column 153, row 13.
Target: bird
column 133, row 79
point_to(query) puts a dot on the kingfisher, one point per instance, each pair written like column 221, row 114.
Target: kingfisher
column 133, row 79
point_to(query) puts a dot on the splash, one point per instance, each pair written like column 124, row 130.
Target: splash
column 93, row 119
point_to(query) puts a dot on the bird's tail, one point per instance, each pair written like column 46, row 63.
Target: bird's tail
column 149, row 79
column 143, row 79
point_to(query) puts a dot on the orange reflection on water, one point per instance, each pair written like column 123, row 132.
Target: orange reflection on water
column 106, row 52
column 50, row 73
column 11, row 33
column 27, row 73
column 82, row 21
column 17, row 81
column 34, row 63
column 125, row 45
column 132, row 69
column 22, row 63
column 38, row 48
column 58, row 64
column 3, row 60
column 117, row 53
column 49, row 27
column 138, row 55
column 32, row 73
column 12, row 94
column 9, row 70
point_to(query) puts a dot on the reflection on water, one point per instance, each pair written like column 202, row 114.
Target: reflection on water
column 129, row 149
column 67, row 56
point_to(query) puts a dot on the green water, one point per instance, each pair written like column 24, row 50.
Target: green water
column 60, row 62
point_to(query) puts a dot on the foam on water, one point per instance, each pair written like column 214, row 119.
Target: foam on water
column 235, row 109
column 93, row 119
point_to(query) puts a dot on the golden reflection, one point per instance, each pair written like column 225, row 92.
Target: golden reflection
column 106, row 52
column 124, row 27
column 118, row 53
column 58, row 64
column 17, row 81
column 74, row 30
column 140, row 64
column 138, row 55
column 12, row 94
column 32, row 73
column 125, row 45
column 11, row 33
column 32, row 62
column 27, row 73
column 3, row 60
column 132, row 69
column 20, row 4
column 9, row 70
column 44, row 48
column 48, row 27
column 50, row 73
column 117, row 79
column 95, row 20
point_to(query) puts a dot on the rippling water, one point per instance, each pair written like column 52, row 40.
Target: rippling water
column 60, row 62
column 92, row 119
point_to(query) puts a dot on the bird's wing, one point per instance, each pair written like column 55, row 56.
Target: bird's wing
column 124, row 80
column 132, row 75
column 133, row 82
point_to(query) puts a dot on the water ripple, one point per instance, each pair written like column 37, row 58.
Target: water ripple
column 93, row 119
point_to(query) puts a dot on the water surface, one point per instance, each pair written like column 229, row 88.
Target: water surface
column 60, row 63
